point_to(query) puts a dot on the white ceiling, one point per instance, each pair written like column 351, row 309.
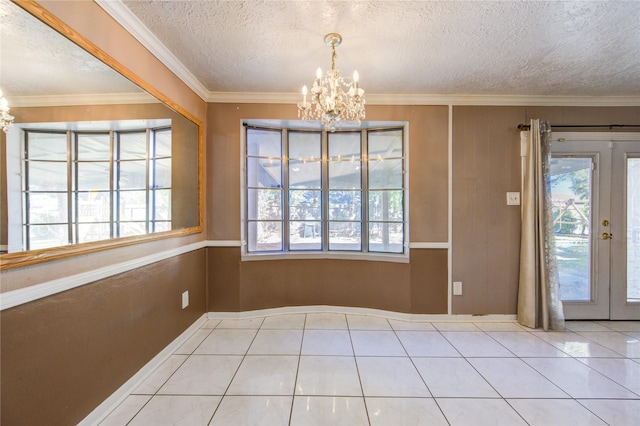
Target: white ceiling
column 550, row 52
column 37, row 63
column 497, row 48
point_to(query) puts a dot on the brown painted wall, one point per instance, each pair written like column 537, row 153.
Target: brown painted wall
column 419, row 287
column 63, row 355
column 416, row 287
column 486, row 165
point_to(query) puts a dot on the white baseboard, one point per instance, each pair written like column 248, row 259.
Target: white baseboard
column 362, row 311
column 109, row 404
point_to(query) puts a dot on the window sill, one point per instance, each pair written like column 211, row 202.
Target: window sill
column 371, row 257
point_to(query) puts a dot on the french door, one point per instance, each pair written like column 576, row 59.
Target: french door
column 595, row 191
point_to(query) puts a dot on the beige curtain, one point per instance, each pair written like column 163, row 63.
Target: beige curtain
column 539, row 303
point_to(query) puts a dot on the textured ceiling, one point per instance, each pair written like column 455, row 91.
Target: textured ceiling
column 37, row 61
column 532, row 48
column 550, row 48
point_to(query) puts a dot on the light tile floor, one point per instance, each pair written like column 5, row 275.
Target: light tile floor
column 336, row 369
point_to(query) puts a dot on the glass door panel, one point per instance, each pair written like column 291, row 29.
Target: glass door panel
column 571, row 188
column 633, row 230
column 625, row 221
column 580, row 172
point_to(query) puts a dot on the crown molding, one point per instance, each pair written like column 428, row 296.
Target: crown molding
column 136, row 28
column 425, row 99
column 84, row 99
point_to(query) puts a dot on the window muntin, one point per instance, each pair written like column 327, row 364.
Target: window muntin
column 89, row 186
column 313, row 191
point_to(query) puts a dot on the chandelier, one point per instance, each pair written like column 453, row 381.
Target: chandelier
column 334, row 99
column 5, row 118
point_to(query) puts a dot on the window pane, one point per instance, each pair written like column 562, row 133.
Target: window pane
column 46, row 146
column 386, row 237
column 264, row 204
column 344, row 175
column 305, row 174
column 345, row 236
column 162, row 226
column 571, row 201
column 386, row 206
column 132, row 145
column 385, row 174
column 264, row 143
column 132, row 228
column 47, row 176
column 305, row 236
column 93, row 176
column 93, row 232
column 94, row 147
column 264, row 173
column 633, row 230
column 305, row 205
column 385, row 144
column 344, row 146
column 47, row 208
column 345, row 205
column 304, row 146
column 265, row 236
column 133, row 175
column 162, row 204
column 133, row 205
column 93, row 207
column 162, row 173
column 163, row 143
column 45, row 236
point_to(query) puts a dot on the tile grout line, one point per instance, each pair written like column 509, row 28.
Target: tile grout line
column 432, row 396
column 235, row 372
column 581, row 360
column 295, row 380
column 155, row 393
column 355, row 361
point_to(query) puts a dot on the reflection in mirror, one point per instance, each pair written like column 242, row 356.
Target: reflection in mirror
column 91, row 156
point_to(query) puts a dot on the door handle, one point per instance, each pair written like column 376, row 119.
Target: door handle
column 606, row 236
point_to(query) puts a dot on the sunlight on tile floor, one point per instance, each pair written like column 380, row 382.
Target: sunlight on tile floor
column 336, row 369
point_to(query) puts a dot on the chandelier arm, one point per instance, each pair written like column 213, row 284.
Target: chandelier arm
column 334, row 99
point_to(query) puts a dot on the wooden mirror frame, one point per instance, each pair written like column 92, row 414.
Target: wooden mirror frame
column 32, row 257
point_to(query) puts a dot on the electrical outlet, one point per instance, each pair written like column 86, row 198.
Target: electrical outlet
column 457, row 288
column 185, row 299
column 513, row 198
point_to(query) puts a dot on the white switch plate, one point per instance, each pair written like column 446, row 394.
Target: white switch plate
column 185, row 299
column 513, row 198
column 457, row 288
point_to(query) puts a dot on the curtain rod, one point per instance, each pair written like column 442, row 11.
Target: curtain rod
column 608, row 126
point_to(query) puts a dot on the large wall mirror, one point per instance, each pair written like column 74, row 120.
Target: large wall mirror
column 93, row 160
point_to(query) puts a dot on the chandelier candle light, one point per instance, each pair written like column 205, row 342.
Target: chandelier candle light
column 334, row 99
column 5, row 118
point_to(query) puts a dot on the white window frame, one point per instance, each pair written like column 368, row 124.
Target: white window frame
column 287, row 126
column 21, row 239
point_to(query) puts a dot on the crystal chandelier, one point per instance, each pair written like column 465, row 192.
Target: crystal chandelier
column 334, row 99
column 5, row 118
